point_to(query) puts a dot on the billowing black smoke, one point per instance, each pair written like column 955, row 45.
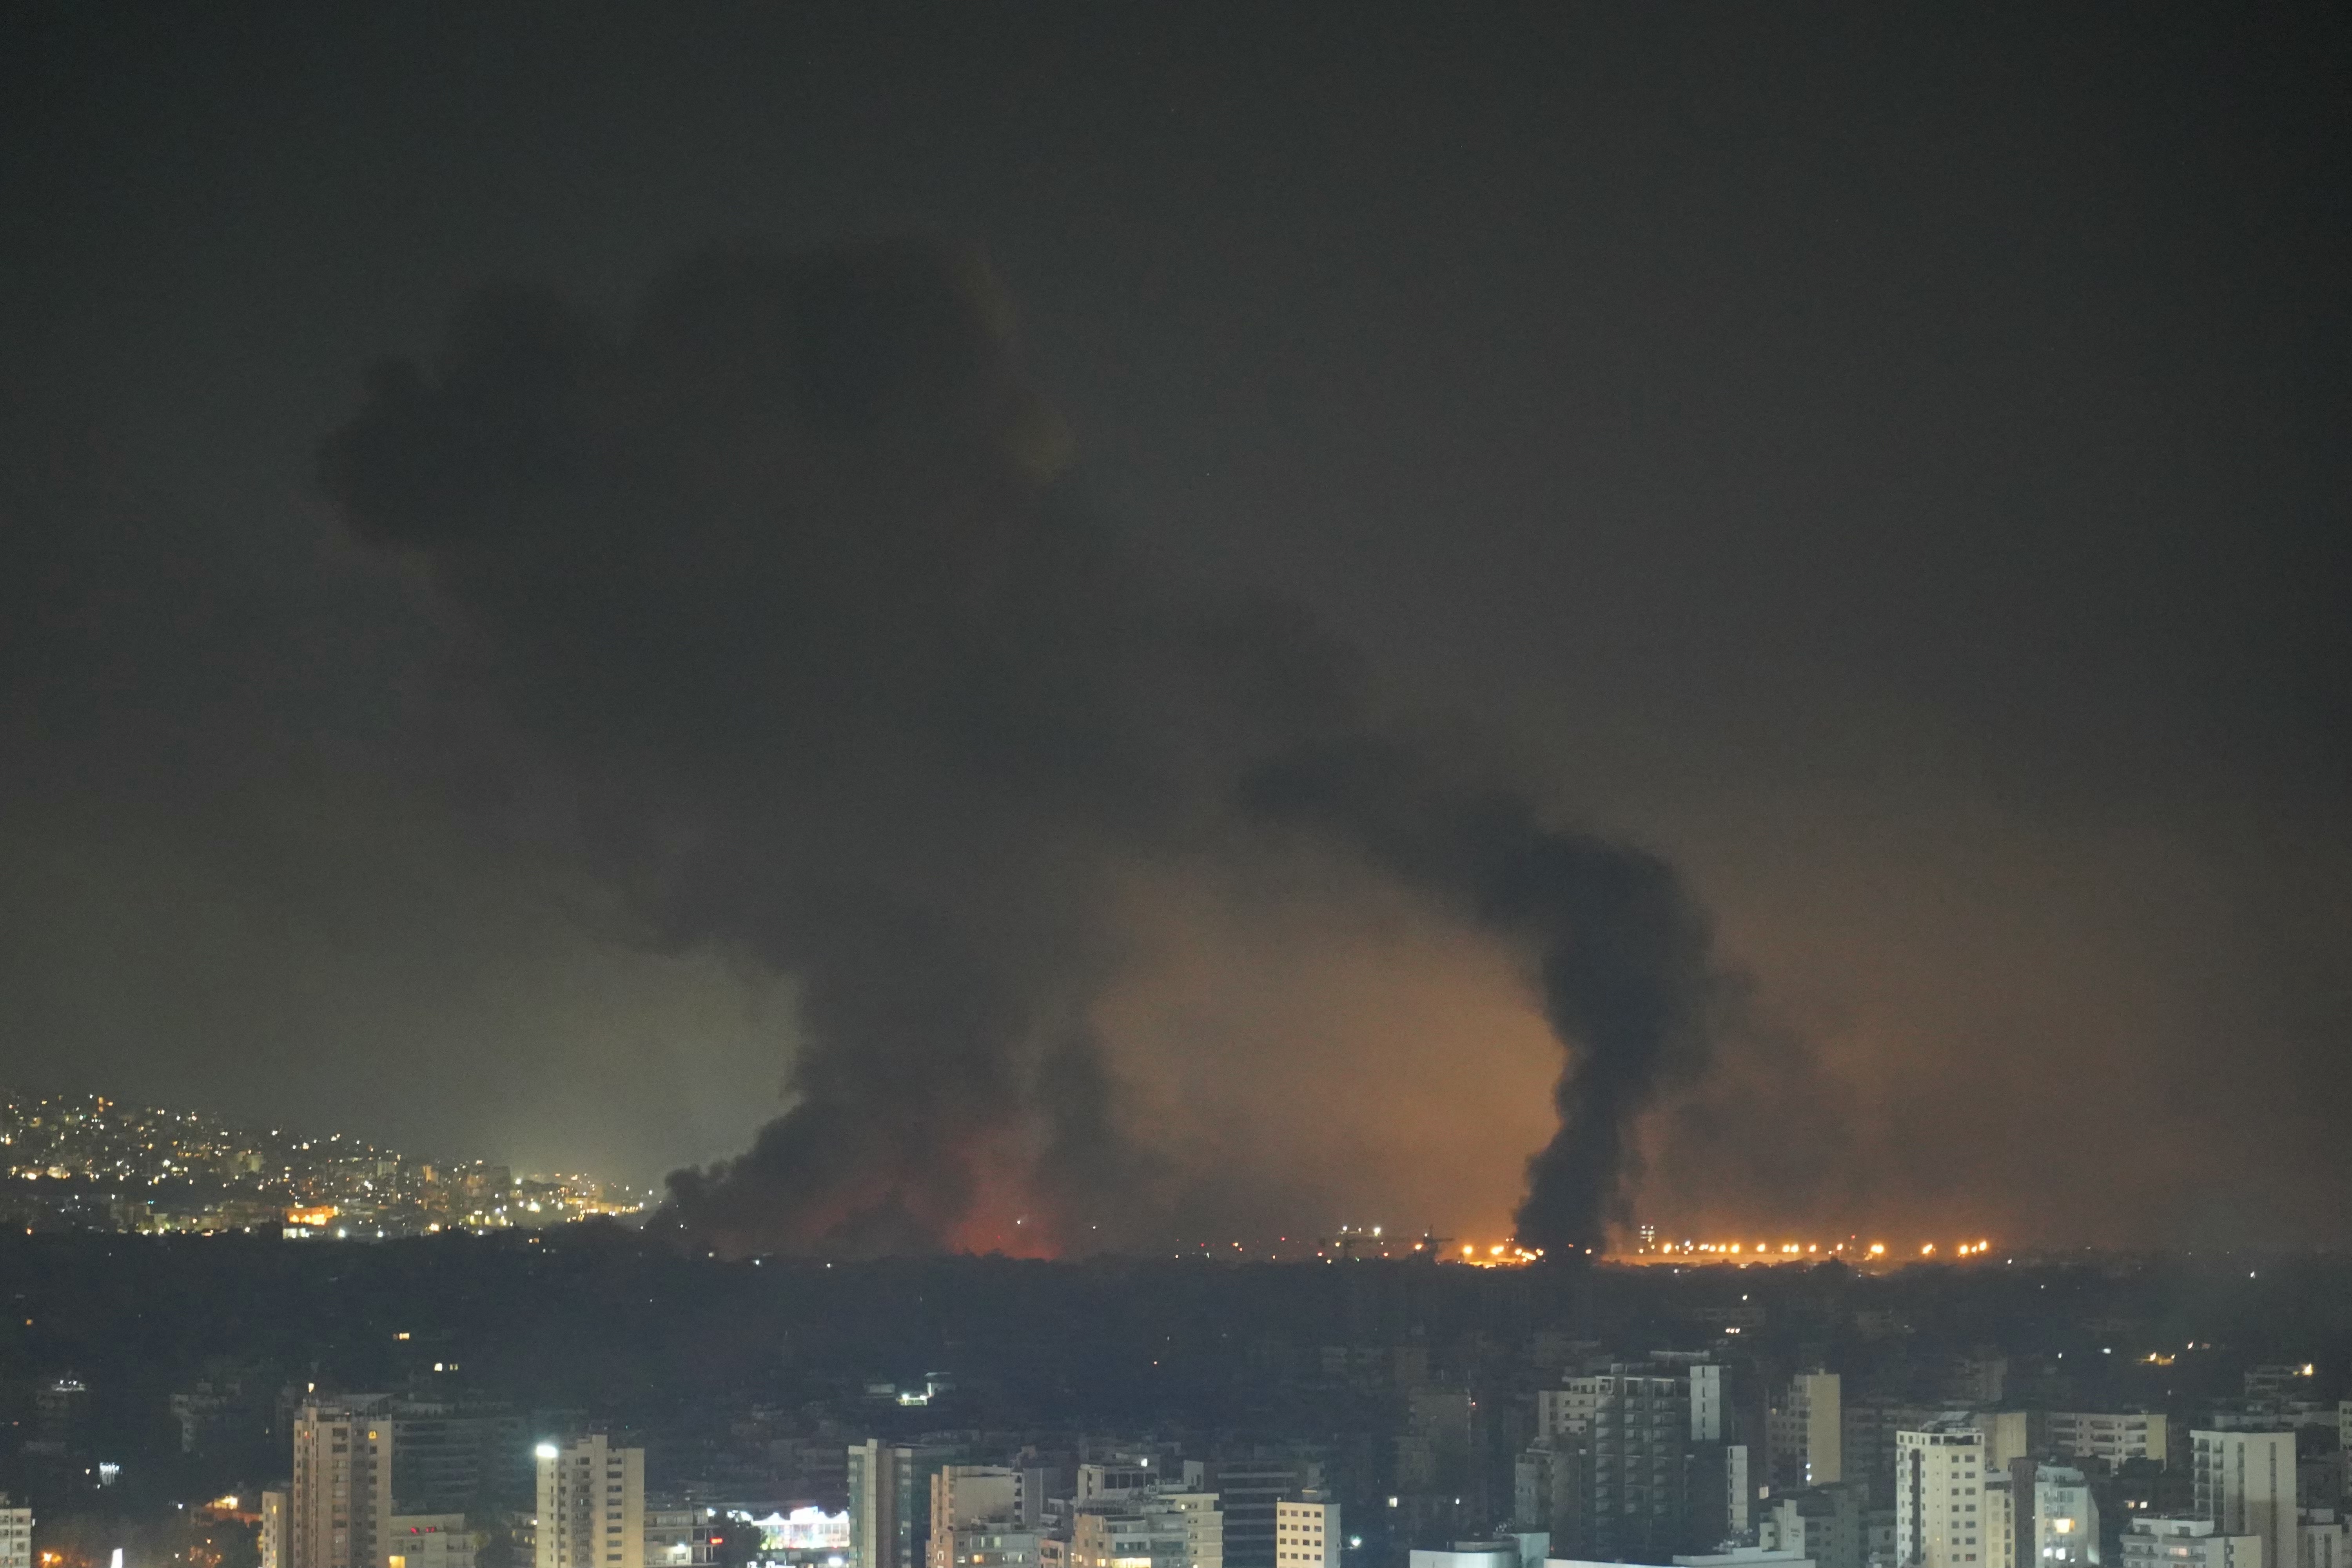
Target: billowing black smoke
column 783, row 582
column 1619, row 949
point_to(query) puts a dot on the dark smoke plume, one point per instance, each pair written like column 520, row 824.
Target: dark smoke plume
column 1620, row 950
column 784, row 581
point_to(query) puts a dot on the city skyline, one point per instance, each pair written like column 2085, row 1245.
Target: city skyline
column 1076, row 786
column 587, row 1398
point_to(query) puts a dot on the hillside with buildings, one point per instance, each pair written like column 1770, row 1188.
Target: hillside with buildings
column 87, row 1162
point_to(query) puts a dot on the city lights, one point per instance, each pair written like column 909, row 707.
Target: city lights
column 1849, row 1249
column 93, row 1163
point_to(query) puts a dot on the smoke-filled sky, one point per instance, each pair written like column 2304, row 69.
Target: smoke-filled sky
column 1332, row 512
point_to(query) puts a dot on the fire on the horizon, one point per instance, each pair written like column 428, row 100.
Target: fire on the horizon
column 1849, row 1249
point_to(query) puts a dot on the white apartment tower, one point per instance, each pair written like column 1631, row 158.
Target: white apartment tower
column 15, row 1535
column 273, row 1529
column 2245, row 1485
column 1307, row 1533
column 338, row 1508
column 2066, row 1519
column 1948, row 1514
column 592, row 1505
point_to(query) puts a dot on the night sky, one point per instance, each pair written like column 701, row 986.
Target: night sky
column 1895, row 467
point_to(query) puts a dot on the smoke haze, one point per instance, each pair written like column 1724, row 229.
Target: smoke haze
column 1892, row 475
column 782, row 579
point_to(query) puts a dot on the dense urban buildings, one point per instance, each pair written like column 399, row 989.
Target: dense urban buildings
column 1696, row 650
column 581, row 1400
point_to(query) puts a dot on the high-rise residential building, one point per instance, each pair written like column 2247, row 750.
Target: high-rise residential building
column 1307, row 1533
column 458, row 1458
column 2065, row 1530
column 1629, row 1463
column 1549, row 1488
column 339, row 1505
column 1944, row 1504
column 2111, row 1436
column 16, row 1534
column 889, row 1502
column 273, row 1526
column 1249, row 1487
column 881, row 1506
column 2245, row 1483
column 1805, row 1431
column 592, row 1505
column 2155, row 1540
column 1635, row 1426
column 1867, row 1440
column 362, row 1460
column 979, row 1519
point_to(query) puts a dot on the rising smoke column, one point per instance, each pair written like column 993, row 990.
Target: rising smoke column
column 777, row 579
column 1620, row 952
column 780, row 582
